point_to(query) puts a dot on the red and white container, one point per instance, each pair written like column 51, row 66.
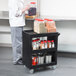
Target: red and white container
column 42, row 45
column 39, row 26
column 32, row 10
column 34, row 47
column 45, row 43
column 34, row 61
column 37, row 43
column 50, row 25
column 49, row 44
column 36, row 23
column 52, row 44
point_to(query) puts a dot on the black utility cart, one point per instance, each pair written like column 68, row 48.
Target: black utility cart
column 28, row 52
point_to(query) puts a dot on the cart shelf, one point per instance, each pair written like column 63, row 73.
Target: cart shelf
column 28, row 51
column 33, row 34
column 44, row 50
column 42, row 65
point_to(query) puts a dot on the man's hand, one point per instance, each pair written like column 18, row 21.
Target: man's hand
column 26, row 8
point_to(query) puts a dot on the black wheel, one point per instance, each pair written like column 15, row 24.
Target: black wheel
column 31, row 71
column 54, row 67
column 24, row 66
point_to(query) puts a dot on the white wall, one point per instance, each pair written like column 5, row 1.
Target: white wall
column 3, row 5
column 67, row 38
column 58, row 8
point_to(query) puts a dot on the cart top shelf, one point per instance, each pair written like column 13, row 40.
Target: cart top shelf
column 32, row 33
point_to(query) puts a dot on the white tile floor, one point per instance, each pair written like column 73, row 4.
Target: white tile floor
column 65, row 66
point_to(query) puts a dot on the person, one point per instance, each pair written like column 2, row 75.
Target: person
column 17, row 22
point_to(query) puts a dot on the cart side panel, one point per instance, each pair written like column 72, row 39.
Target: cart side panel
column 55, row 38
column 27, row 60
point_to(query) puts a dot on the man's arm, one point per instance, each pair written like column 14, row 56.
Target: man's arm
column 19, row 10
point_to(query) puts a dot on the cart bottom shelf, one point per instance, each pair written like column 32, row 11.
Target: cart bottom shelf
column 42, row 65
column 38, row 67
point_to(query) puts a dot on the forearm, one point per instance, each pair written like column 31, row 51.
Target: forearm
column 21, row 11
column 25, row 9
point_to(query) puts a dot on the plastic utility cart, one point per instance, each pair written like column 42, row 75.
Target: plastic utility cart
column 38, row 58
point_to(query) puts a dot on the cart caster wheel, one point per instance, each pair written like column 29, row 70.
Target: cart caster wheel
column 54, row 67
column 31, row 71
column 24, row 66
